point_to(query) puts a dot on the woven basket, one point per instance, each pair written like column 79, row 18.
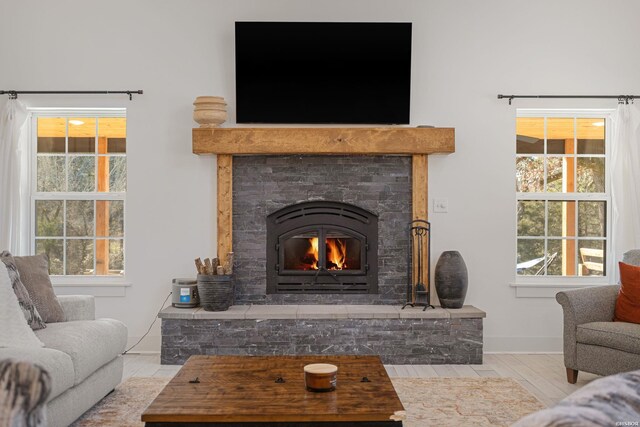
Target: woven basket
column 216, row 292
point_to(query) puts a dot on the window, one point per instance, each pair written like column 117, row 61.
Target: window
column 563, row 200
column 78, row 190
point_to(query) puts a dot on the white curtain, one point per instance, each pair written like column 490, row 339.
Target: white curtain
column 625, row 181
column 12, row 194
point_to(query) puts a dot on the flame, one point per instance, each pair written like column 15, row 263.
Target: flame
column 336, row 254
column 312, row 253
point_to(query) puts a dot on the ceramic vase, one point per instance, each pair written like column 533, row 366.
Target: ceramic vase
column 210, row 111
column 451, row 279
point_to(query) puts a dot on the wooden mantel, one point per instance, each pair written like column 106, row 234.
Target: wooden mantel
column 361, row 141
column 372, row 141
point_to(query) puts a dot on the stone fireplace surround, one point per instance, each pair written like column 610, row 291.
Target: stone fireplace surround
column 264, row 184
column 288, row 165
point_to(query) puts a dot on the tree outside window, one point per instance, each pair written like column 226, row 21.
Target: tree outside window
column 78, row 195
column 562, row 195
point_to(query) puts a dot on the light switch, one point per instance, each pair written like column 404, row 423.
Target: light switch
column 440, row 205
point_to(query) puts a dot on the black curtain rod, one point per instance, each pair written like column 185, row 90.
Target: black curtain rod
column 13, row 94
column 620, row 98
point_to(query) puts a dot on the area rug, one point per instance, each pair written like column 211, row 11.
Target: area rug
column 428, row 402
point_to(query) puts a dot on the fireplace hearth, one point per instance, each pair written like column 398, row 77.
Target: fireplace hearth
column 322, row 247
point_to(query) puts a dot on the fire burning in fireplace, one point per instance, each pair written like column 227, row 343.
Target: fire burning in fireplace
column 336, row 251
column 311, row 258
column 322, row 247
column 337, row 254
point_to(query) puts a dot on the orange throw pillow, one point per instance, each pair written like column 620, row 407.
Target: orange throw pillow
column 628, row 303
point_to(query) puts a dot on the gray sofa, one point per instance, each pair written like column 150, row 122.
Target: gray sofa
column 593, row 342
column 82, row 356
column 608, row 401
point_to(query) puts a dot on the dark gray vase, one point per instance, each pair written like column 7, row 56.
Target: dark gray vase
column 451, row 279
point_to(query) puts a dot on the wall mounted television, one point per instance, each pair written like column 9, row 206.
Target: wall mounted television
column 323, row 72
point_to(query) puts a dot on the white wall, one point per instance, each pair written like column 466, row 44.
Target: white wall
column 464, row 53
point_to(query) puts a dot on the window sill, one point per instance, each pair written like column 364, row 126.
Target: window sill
column 548, row 290
column 90, row 286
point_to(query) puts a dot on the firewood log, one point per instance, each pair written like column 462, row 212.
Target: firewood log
column 228, row 264
column 199, row 266
column 215, row 262
column 220, row 270
column 207, row 265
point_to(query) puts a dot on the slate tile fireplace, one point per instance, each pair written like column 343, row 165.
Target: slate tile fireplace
column 322, row 247
column 342, row 180
column 284, row 206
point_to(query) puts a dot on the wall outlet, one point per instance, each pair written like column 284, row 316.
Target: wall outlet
column 440, row 205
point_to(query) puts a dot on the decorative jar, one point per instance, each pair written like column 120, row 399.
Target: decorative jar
column 210, row 111
column 452, row 279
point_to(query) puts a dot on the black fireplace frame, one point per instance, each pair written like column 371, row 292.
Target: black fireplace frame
column 322, row 216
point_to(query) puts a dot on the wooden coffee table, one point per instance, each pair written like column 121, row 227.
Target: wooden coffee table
column 269, row 391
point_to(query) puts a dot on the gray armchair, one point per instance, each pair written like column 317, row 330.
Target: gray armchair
column 593, row 342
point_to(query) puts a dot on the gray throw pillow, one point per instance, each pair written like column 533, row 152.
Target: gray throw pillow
column 24, row 300
column 34, row 273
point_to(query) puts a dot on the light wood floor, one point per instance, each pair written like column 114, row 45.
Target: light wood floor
column 542, row 374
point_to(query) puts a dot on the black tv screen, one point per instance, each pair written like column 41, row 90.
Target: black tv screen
column 323, row 72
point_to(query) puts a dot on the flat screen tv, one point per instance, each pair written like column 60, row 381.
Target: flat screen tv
column 323, row 72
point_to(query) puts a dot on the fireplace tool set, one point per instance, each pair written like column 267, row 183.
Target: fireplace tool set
column 419, row 265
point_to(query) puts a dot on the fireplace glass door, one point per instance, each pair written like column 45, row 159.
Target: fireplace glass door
column 300, row 252
column 342, row 251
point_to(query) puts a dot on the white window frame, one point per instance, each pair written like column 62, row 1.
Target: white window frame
column 556, row 283
column 69, row 284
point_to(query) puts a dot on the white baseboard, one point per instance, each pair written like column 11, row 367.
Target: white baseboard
column 522, row 344
column 143, row 353
column 149, row 345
